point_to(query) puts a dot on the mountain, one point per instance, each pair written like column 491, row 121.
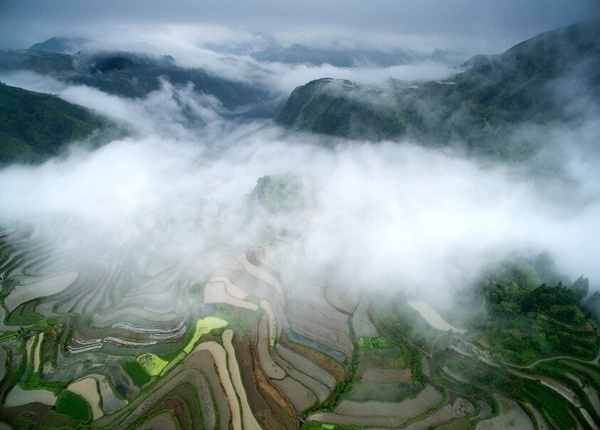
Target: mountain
column 35, row 126
column 551, row 78
column 132, row 75
column 61, row 45
column 302, row 54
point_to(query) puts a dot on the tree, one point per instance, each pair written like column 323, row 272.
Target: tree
column 580, row 288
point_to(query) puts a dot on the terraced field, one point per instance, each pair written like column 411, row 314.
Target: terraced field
column 237, row 341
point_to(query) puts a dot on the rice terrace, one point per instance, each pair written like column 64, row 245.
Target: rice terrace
column 241, row 342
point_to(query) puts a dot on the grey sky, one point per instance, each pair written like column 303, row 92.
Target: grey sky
column 493, row 25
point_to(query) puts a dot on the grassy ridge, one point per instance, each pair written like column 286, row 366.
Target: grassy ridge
column 34, row 126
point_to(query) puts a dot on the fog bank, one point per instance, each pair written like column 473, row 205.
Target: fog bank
column 373, row 216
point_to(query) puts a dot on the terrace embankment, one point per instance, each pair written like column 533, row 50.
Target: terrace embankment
column 381, row 414
column 269, row 414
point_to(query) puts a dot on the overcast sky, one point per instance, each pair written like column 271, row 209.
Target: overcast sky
column 471, row 25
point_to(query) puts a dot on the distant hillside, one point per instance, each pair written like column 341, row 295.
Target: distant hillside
column 133, row 75
column 352, row 57
column 35, row 126
column 551, row 78
column 62, row 45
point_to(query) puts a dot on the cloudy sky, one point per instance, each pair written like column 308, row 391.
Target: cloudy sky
column 470, row 25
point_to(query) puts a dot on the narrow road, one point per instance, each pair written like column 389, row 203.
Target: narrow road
column 559, row 357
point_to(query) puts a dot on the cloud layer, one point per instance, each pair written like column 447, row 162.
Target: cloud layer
column 469, row 22
column 378, row 216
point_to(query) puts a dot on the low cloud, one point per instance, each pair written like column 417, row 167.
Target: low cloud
column 378, row 216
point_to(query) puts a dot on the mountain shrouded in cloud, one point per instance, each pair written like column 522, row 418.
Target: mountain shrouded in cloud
column 548, row 80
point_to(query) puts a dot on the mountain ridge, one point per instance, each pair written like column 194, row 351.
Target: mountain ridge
column 35, row 126
column 478, row 108
column 135, row 75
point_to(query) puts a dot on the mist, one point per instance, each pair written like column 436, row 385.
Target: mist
column 392, row 216
column 385, row 216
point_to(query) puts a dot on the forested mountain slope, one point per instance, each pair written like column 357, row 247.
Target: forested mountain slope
column 34, row 126
column 549, row 79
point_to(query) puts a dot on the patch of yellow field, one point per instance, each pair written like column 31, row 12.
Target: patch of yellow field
column 152, row 363
column 204, row 326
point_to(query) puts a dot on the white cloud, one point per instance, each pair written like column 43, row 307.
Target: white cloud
column 391, row 215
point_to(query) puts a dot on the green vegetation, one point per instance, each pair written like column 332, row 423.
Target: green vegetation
column 74, row 405
column 280, row 193
column 523, row 322
column 151, row 363
column 501, row 380
column 461, row 424
column 379, row 342
column 197, row 288
column 35, row 126
column 137, row 373
column 24, row 315
column 557, row 370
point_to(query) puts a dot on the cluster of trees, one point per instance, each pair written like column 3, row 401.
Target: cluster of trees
column 278, row 193
column 558, row 302
column 524, row 319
